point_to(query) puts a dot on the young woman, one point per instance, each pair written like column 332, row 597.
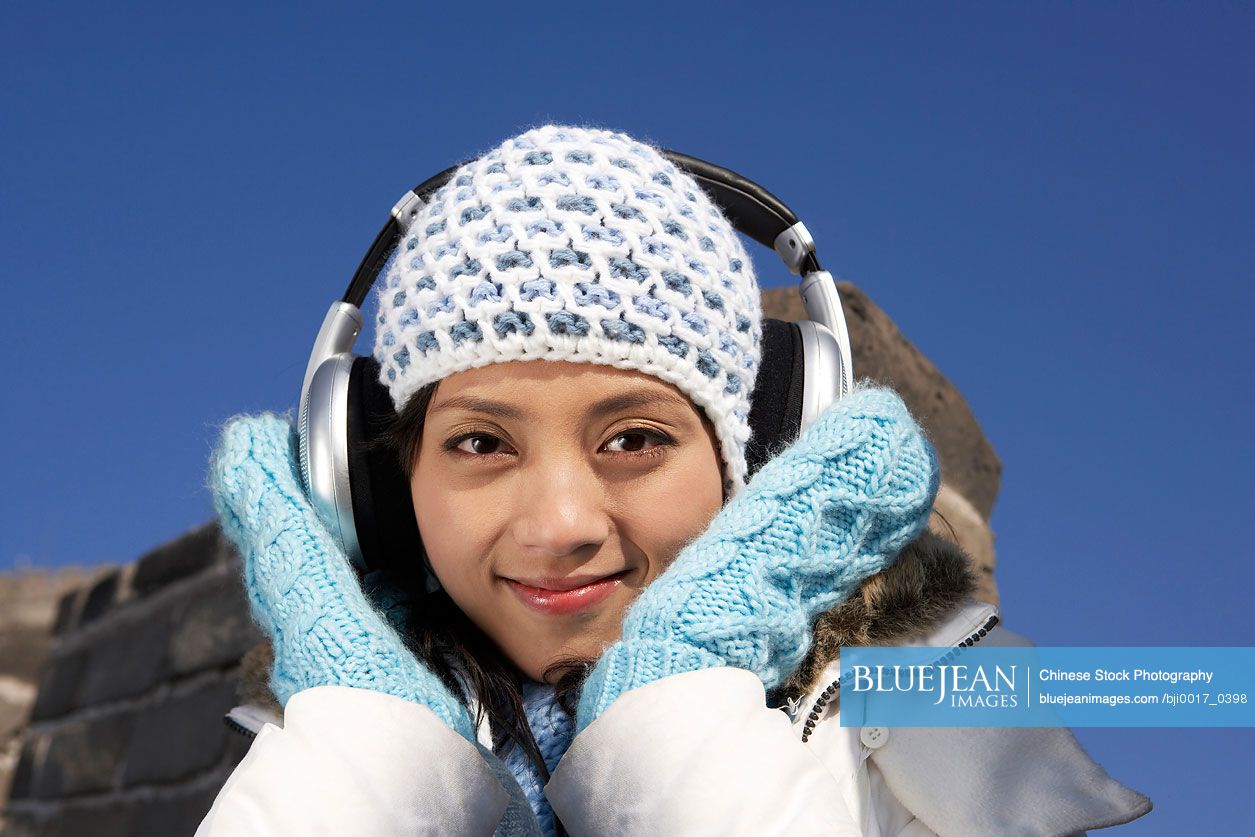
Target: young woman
column 618, row 609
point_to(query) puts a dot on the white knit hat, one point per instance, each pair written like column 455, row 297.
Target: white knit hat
column 584, row 245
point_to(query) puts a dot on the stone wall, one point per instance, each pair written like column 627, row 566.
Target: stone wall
column 125, row 734
column 28, row 609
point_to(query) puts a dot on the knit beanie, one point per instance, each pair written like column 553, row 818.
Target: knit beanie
column 576, row 244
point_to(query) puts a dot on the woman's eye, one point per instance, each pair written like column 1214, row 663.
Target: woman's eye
column 635, row 441
column 481, row 444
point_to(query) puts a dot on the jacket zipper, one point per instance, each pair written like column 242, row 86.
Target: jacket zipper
column 238, row 728
column 834, row 688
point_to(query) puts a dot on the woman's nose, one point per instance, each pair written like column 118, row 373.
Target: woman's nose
column 561, row 511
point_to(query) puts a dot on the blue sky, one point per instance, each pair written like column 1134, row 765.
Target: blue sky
column 1053, row 202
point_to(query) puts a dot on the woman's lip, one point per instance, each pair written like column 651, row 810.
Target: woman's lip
column 562, row 596
column 562, row 584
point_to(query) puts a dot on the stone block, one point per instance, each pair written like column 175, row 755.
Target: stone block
column 882, row 353
column 174, row 813
column 181, row 736
column 20, row 824
column 59, row 685
column 212, row 628
column 126, row 660
column 97, row 818
column 180, row 558
column 10, row 753
column 28, row 763
column 83, row 756
column 101, row 597
column 68, row 610
column 236, row 749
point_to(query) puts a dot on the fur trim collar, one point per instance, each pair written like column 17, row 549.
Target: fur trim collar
column 909, row 598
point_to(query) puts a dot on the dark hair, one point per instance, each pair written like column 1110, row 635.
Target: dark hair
column 445, row 638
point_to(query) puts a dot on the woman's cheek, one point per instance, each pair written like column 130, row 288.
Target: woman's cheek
column 458, row 551
column 679, row 517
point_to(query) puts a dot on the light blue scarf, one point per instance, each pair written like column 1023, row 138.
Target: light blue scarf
column 553, row 730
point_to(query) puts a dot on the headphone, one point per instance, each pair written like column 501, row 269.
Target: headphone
column 358, row 487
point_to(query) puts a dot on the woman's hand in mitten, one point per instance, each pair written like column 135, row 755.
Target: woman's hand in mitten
column 832, row 509
column 300, row 585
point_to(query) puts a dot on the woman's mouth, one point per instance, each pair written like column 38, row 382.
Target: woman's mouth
column 564, row 596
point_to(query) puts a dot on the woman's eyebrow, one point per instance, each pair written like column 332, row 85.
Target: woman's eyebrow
column 480, row 405
column 631, row 400
column 611, row 404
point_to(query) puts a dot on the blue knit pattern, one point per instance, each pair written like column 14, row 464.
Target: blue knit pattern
column 832, row 509
column 553, row 730
column 301, row 587
column 581, row 245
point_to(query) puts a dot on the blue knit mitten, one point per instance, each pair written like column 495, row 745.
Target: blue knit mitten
column 301, row 587
column 829, row 511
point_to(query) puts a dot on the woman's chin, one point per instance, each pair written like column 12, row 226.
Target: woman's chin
column 538, row 658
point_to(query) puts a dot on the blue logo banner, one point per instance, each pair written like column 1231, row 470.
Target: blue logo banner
column 1047, row 687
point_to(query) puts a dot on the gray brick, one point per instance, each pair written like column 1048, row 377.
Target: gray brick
column 127, row 660
column 180, row 737
column 213, row 629
column 96, row 819
column 83, row 757
column 237, row 748
column 68, row 610
column 175, row 814
column 59, row 685
column 179, row 558
column 100, row 597
column 20, row 788
column 22, row 824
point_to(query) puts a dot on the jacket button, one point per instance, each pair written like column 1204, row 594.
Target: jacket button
column 874, row 737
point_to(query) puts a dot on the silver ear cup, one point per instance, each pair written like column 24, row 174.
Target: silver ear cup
column 324, row 456
column 823, row 306
column 825, row 372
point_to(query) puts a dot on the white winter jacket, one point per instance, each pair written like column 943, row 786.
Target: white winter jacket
column 695, row 753
column 691, row 754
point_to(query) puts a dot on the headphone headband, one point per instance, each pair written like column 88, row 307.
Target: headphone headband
column 750, row 208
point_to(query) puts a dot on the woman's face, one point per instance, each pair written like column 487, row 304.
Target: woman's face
column 549, row 494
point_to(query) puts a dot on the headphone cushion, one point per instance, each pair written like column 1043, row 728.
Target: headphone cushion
column 383, row 511
column 776, row 401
